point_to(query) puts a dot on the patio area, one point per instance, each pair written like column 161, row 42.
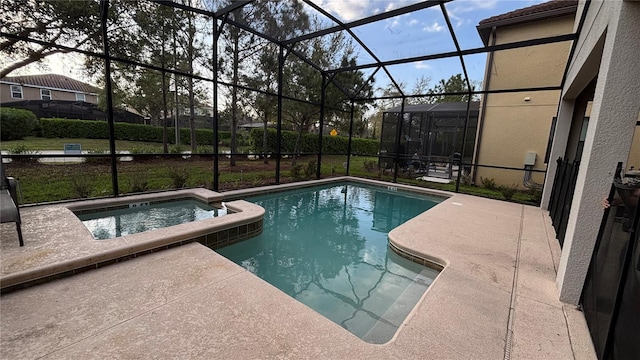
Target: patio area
column 495, row 299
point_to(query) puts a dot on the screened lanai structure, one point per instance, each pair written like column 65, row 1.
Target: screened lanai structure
column 336, row 83
column 430, row 139
column 302, row 65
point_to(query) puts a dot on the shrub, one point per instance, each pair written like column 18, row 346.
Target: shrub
column 508, row 191
column 370, row 165
column 138, row 183
column 295, row 171
column 16, row 123
column 490, row 184
column 179, row 177
column 144, row 150
column 177, row 149
column 89, row 129
column 82, row 186
column 310, row 170
column 309, row 143
column 465, row 178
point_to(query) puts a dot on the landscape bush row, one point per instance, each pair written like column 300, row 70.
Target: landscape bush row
column 18, row 123
column 88, row 129
column 309, row 143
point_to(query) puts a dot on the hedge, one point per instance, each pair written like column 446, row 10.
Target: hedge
column 16, row 123
column 309, row 143
column 87, row 129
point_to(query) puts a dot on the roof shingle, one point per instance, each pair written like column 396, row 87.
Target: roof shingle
column 53, row 81
column 540, row 8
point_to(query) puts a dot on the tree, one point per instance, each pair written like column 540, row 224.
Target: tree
column 75, row 24
column 455, row 84
column 304, row 82
column 239, row 46
column 282, row 20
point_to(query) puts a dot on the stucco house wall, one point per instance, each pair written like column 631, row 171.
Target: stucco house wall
column 607, row 51
column 514, row 124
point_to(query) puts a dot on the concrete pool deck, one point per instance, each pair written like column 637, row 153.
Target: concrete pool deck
column 495, row 299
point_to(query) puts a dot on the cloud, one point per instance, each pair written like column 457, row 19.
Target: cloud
column 421, row 65
column 347, row 10
column 435, row 27
column 413, row 22
column 455, row 11
column 474, row 5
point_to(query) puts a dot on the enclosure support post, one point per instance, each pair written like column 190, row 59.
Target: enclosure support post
column 350, row 138
column 104, row 13
column 216, row 117
column 464, row 142
column 398, row 137
column 279, row 125
column 321, row 128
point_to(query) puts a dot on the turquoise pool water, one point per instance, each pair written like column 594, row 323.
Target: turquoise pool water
column 327, row 247
column 142, row 217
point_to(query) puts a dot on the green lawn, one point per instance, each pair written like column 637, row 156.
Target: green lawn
column 54, row 182
column 38, row 143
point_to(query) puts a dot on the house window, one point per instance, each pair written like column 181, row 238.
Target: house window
column 16, row 91
column 45, row 94
column 80, row 97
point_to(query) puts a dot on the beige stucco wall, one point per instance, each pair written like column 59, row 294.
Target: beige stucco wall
column 33, row 93
column 513, row 126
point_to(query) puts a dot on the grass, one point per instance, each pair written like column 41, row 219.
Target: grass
column 48, row 182
column 38, row 143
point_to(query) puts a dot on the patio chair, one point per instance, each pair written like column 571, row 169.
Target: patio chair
column 9, row 211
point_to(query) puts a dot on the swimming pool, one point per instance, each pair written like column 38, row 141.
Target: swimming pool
column 327, row 247
column 144, row 216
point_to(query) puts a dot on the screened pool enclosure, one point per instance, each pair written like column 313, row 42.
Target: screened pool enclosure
column 299, row 67
column 430, row 137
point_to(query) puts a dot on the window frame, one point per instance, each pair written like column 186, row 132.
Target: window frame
column 42, row 95
column 81, row 97
column 14, row 90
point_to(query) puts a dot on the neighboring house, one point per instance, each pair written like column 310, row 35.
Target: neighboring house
column 513, row 129
column 59, row 96
column 45, row 87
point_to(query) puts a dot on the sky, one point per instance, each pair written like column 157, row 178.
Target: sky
column 419, row 33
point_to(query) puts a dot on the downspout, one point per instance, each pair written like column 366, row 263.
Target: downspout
column 487, row 76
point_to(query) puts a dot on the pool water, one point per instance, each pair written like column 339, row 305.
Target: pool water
column 327, row 247
column 113, row 223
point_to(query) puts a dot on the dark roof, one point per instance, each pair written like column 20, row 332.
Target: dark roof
column 437, row 108
column 545, row 10
column 52, row 81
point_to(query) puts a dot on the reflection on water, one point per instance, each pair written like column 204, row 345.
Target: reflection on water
column 114, row 223
column 327, row 248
